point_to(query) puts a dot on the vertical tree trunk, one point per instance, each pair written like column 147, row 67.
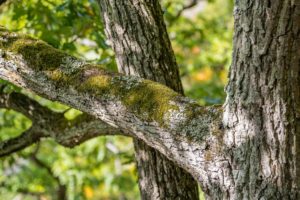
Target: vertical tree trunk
column 139, row 38
column 262, row 110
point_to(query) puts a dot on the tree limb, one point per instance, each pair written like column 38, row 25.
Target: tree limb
column 175, row 125
column 26, row 139
column 47, row 123
column 28, row 107
column 76, row 132
column 83, row 128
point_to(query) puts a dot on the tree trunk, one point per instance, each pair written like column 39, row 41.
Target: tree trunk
column 139, row 38
column 262, row 110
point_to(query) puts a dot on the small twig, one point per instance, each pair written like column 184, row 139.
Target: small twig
column 188, row 6
column 26, row 139
column 62, row 189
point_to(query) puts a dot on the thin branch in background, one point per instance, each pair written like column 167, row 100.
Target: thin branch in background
column 18, row 143
column 62, row 189
column 186, row 7
column 47, row 123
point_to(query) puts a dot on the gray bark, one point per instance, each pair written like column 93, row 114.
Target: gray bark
column 261, row 113
column 139, row 38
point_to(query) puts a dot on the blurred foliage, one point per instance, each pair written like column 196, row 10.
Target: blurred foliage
column 103, row 168
column 202, row 44
column 71, row 25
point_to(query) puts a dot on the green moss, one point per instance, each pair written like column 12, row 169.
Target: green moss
column 94, row 68
column 149, row 100
column 207, row 155
column 38, row 54
column 98, row 85
column 58, row 76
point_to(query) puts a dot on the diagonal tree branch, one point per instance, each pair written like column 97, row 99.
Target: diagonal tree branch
column 71, row 136
column 47, row 123
column 26, row 139
column 62, row 189
column 175, row 125
column 191, row 4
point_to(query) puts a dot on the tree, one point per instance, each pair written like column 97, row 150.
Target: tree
column 246, row 149
column 143, row 49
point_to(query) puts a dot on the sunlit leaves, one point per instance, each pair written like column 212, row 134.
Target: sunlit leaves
column 74, row 26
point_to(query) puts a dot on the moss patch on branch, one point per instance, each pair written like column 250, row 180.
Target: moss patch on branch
column 149, row 100
column 36, row 53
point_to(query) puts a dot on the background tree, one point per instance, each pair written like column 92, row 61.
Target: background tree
column 143, row 49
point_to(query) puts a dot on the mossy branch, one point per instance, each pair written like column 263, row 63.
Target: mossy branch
column 175, row 125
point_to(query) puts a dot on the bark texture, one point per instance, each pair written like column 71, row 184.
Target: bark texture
column 261, row 117
column 139, row 38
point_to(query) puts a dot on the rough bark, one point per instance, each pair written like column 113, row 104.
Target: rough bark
column 139, row 38
column 261, row 115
